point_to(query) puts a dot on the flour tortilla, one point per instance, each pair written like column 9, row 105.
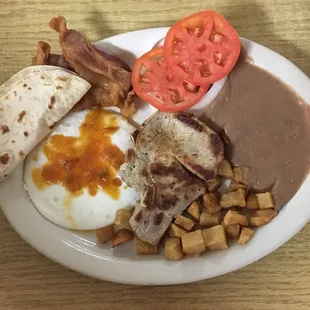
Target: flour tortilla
column 31, row 103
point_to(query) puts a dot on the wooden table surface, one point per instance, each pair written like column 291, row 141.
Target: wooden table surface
column 28, row 280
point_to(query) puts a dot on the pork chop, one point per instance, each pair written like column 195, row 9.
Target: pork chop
column 174, row 154
column 172, row 190
column 183, row 136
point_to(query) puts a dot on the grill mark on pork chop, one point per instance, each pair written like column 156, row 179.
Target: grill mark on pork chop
column 182, row 176
column 205, row 173
column 158, row 218
column 188, row 120
column 164, row 202
column 161, row 170
column 138, row 216
column 195, row 170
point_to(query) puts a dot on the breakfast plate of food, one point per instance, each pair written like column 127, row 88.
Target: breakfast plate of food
column 159, row 156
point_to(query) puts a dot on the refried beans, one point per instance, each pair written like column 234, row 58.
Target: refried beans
column 266, row 128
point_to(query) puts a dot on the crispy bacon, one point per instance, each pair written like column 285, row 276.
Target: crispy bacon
column 44, row 57
column 110, row 77
column 128, row 107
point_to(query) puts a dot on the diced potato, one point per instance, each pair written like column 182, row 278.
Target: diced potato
column 265, row 201
column 225, row 170
column 122, row 236
column 262, row 217
column 252, row 201
column 213, row 185
column 193, row 243
column 144, row 248
column 233, row 199
column 246, row 235
column 267, row 213
column 209, row 220
column 257, row 221
column 233, row 186
column 210, row 203
column 176, row 231
column 184, row 222
column 105, row 234
column 122, row 217
column 194, row 210
column 234, row 217
column 173, row 249
column 232, row 231
column 215, row 238
column 239, row 175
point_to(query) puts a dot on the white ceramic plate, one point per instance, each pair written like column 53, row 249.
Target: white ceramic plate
column 79, row 251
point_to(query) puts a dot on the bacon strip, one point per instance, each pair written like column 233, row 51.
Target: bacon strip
column 44, row 57
column 110, row 76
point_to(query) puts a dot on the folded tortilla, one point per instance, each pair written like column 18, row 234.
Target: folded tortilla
column 31, row 103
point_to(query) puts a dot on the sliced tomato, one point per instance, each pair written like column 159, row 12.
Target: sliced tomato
column 202, row 48
column 159, row 86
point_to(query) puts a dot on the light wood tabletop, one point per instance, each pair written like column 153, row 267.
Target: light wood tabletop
column 28, row 280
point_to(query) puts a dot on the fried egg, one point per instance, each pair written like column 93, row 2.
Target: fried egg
column 72, row 176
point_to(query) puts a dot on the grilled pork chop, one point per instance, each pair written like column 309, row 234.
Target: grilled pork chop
column 168, row 188
column 174, row 154
column 183, row 136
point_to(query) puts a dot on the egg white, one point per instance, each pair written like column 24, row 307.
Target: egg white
column 84, row 212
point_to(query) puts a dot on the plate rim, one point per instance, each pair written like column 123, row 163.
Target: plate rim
column 76, row 265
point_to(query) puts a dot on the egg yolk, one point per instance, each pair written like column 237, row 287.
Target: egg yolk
column 90, row 161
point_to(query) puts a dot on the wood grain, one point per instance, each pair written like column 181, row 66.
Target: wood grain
column 30, row 281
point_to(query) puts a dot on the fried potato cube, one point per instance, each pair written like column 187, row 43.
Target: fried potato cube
column 265, row 200
column 234, row 186
column 194, row 210
column 267, row 213
column 209, row 220
column 210, row 203
column 246, row 235
column 213, row 185
column 239, row 175
column 184, row 222
column 233, row 199
column 251, row 202
column 215, row 238
column 176, row 231
column 257, row 221
column 225, row 170
column 122, row 217
column 232, row 231
column 105, row 234
column 234, row 217
column 262, row 217
column 144, row 248
column 173, row 249
column 122, row 236
column 193, row 243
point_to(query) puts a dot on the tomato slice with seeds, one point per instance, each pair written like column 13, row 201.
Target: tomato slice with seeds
column 202, row 48
column 162, row 88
